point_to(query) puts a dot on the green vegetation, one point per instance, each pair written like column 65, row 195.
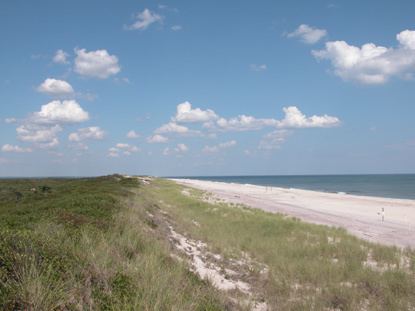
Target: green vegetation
column 105, row 244
column 310, row 267
column 84, row 244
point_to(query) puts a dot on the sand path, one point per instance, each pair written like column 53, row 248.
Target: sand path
column 360, row 215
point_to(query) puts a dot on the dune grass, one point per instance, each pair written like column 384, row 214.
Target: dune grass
column 85, row 244
column 311, row 267
column 90, row 244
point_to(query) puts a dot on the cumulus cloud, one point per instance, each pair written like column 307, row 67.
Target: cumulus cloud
column 144, row 19
column 97, row 64
column 182, row 148
column 308, row 34
column 185, row 113
column 273, row 140
column 178, row 150
column 370, row 63
column 242, row 123
column 11, row 148
column 92, row 132
column 172, row 127
column 294, row 118
column 157, row 139
column 132, row 134
column 258, row 67
column 213, row 124
column 407, row 39
column 61, row 57
column 55, row 87
column 42, row 127
column 221, row 146
column 50, row 144
column 66, row 111
column 122, row 148
column 41, row 135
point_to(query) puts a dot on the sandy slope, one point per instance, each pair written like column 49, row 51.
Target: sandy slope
column 360, row 215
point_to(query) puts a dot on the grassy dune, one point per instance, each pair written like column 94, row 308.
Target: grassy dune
column 105, row 244
column 85, row 245
column 310, row 267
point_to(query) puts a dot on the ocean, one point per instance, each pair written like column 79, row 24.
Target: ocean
column 401, row 186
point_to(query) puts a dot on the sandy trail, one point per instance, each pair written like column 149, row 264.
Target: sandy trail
column 360, row 215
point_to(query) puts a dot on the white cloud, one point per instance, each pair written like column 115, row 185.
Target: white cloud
column 178, row 150
column 273, row 140
column 61, row 57
column 371, row 64
column 213, row 124
column 157, row 139
column 39, row 134
column 10, row 120
column 42, row 127
column 66, row 111
column 92, row 132
column 176, row 27
column 258, row 67
column 407, row 39
column 185, row 113
column 182, row 148
column 96, row 64
column 221, row 146
column 172, row 127
column 53, row 143
column 145, row 19
column 127, row 147
column 243, row 123
column 113, row 152
column 122, row 148
column 11, row 148
column 294, row 118
column 308, row 34
column 55, row 87
column 132, row 134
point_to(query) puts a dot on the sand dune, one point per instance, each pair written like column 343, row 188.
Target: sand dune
column 360, row 215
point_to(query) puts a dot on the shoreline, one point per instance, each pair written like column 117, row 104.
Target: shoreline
column 308, row 182
column 359, row 215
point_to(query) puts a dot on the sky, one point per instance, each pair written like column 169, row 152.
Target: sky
column 187, row 88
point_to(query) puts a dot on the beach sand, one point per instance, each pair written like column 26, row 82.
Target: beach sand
column 359, row 215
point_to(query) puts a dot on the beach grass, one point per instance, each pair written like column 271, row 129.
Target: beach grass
column 105, row 244
column 309, row 267
column 84, row 244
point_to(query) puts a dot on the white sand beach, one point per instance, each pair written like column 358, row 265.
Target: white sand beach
column 360, row 215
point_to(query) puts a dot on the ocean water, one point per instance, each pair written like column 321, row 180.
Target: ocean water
column 400, row 186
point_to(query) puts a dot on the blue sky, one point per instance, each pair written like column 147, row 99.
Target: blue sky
column 206, row 87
